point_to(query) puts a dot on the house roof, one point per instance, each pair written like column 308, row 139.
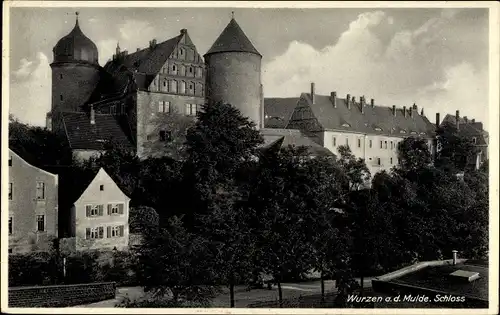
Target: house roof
column 147, row 61
column 83, row 135
column 278, row 111
column 435, row 277
column 286, row 137
column 373, row 120
column 232, row 39
column 468, row 128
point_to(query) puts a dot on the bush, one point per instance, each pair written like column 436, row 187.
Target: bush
column 33, row 269
column 159, row 302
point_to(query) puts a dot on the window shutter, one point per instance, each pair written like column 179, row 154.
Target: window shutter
column 88, row 210
column 108, row 232
column 101, row 210
column 87, row 233
column 109, row 208
column 120, row 208
column 101, row 232
column 121, row 230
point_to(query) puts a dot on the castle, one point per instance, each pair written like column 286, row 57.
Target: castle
column 123, row 100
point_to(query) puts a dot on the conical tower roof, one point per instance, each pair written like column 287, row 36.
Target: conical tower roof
column 75, row 47
column 232, row 39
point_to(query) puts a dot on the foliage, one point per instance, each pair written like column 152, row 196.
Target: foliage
column 142, row 218
column 356, row 171
column 173, row 264
column 160, row 302
column 413, row 153
column 455, row 152
column 37, row 268
column 37, row 145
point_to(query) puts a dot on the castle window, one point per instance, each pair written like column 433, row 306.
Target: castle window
column 60, row 76
column 347, row 141
column 191, row 109
column 392, row 147
column 101, row 187
column 385, row 144
column 61, row 97
column 182, row 70
column 165, row 83
column 379, row 162
column 164, row 107
column 391, row 161
column 10, row 191
column 181, row 52
column 10, row 160
column 359, row 143
column 474, row 140
column 370, row 143
column 378, row 129
column 174, row 69
column 190, row 69
column 402, row 131
column 10, row 225
column 334, row 141
column 40, row 222
column 165, row 135
column 381, row 144
column 40, row 190
column 199, row 72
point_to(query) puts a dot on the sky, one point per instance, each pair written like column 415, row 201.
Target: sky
column 436, row 58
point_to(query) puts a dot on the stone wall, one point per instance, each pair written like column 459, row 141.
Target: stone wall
column 61, row 295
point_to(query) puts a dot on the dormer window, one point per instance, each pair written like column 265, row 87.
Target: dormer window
column 422, row 133
column 402, row 131
column 378, row 129
column 346, row 125
column 413, row 132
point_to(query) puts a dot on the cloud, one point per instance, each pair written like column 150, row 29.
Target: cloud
column 30, row 90
column 423, row 65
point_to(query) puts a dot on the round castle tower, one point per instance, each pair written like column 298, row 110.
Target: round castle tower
column 233, row 73
column 75, row 71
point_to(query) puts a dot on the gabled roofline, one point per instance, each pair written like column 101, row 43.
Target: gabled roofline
column 56, row 177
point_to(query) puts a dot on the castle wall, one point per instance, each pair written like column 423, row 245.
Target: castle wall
column 234, row 78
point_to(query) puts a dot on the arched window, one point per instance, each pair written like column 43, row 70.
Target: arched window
column 173, row 86
column 181, row 52
column 182, row 70
column 174, row 69
column 182, row 87
column 191, row 88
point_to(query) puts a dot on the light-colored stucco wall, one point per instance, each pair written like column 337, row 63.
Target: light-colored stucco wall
column 382, row 147
column 93, row 195
column 24, row 206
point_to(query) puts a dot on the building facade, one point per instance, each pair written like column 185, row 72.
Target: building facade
column 33, row 207
column 99, row 218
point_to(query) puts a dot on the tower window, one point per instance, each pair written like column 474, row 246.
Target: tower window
column 386, row 144
column 359, row 143
column 60, row 76
column 40, row 221
column 61, row 97
column 181, row 51
column 370, row 143
column 101, row 187
column 381, row 144
column 334, row 141
column 190, row 69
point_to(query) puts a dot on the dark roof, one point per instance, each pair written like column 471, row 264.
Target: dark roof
column 293, row 137
column 232, row 39
column 437, row 278
column 468, row 128
column 76, row 47
column 82, row 134
column 353, row 120
column 278, row 111
column 146, row 61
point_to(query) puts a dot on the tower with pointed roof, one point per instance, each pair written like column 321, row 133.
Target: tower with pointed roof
column 75, row 74
column 234, row 73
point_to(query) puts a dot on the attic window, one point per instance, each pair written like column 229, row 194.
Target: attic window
column 422, row 133
column 402, row 131
column 413, row 132
column 378, row 129
column 346, row 125
column 101, row 187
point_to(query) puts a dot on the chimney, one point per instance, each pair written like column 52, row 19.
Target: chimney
column 353, row 100
column 422, row 112
column 372, row 102
column 138, row 49
column 473, row 120
column 411, row 109
column 404, row 111
column 454, row 257
column 362, row 104
column 92, row 115
column 465, row 119
column 117, row 49
column 457, row 118
column 152, row 44
column 394, row 110
column 184, row 31
column 348, row 101
column 438, row 120
column 333, row 97
column 313, row 92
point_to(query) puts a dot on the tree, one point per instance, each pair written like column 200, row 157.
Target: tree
column 220, row 147
column 455, row 152
column 357, row 173
column 38, row 146
column 143, row 218
column 278, row 208
column 175, row 265
column 413, row 153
